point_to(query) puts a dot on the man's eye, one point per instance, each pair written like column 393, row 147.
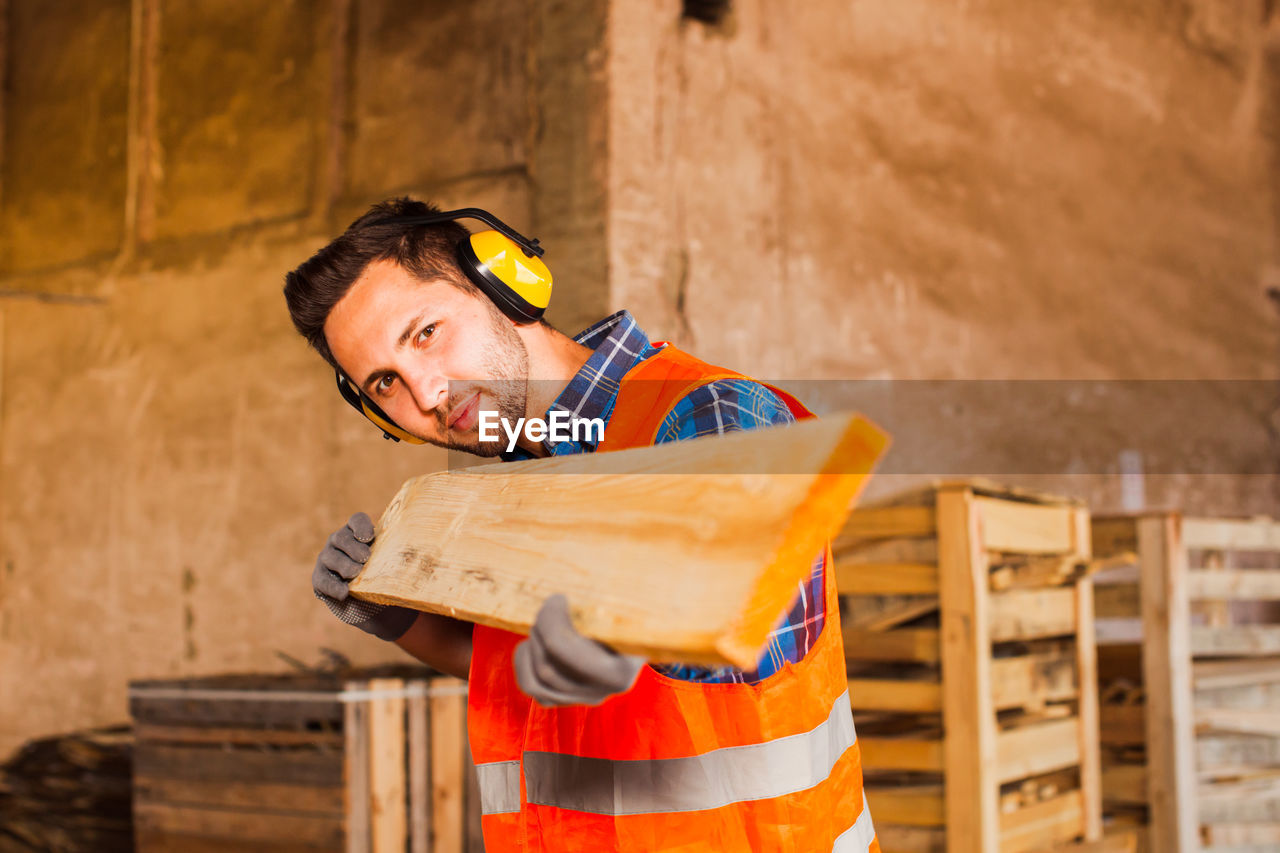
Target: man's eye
column 426, row 332
column 384, row 384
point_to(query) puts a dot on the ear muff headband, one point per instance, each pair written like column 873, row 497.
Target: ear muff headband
column 503, row 263
column 361, row 403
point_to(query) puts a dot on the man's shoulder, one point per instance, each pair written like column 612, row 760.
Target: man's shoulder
column 724, row 405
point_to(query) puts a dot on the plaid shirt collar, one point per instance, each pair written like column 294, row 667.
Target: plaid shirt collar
column 619, row 344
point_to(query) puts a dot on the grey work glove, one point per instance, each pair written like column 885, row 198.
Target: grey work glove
column 343, row 557
column 558, row 666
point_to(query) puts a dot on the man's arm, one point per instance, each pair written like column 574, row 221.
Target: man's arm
column 440, row 642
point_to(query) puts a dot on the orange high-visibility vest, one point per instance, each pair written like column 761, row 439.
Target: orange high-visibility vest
column 671, row 765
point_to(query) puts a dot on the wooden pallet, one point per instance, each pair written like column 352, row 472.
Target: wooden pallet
column 1190, row 656
column 965, row 614
column 281, row 764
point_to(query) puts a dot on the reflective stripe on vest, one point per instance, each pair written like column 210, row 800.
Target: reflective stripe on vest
column 714, row 779
column 857, row 838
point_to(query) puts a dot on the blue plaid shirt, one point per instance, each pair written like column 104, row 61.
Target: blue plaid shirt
column 726, row 405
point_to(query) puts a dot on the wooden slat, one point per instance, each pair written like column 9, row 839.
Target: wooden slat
column 910, row 839
column 910, row 551
column 921, row 645
column 214, row 764
column 1254, row 584
column 1243, row 836
column 1246, row 801
column 419, row 746
column 1117, row 601
column 246, row 828
column 900, row 753
column 1087, row 712
column 909, row 806
column 1214, row 674
column 970, row 749
column 1235, row 640
column 1240, row 721
column 1029, row 614
column 1024, row 528
column 888, row 694
column 148, row 840
column 1125, row 783
column 387, row 766
column 1235, row 750
column 245, row 796
column 489, row 544
column 1264, row 696
column 895, row 614
column 1230, row 534
column 1029, row 681
column 1166, row 663
column 1113, row 535
column 1035, row 749
column 886, row 578
column 447, row 739
column 1042, row 825
column 356, row 773
column 888, row 522
column 224, row 736
column 1123, row 725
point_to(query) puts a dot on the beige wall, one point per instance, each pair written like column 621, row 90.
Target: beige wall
column 890, row 188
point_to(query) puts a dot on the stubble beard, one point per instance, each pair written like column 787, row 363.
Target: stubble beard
column 506, row 361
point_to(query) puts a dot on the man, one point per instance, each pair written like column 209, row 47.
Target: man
column 578, row 747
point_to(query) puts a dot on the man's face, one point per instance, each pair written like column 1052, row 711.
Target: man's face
column 431, row 355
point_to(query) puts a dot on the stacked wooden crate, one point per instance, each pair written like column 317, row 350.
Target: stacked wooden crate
column 1190, row 647
column 969, row 640
column 374, row 762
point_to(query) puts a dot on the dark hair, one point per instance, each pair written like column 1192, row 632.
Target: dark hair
column 427, row 252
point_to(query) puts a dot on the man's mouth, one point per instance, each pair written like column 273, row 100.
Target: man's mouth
column 464, row 415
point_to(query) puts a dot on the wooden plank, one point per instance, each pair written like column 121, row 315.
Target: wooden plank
column 1235, row 750
column 1117, row 601
column 1240, row 721
column 1087, row 717
column 248, row 714
column 1215, row 674
column 387, row 766
column 910, row 839
column 920, row 805
column 1264, row 696
column 922, row 552
column 1113, row 535
column 922, row 645
column 477, row 544
column 1252, row 584
column 889, row 522
column 1166, row 660
column 155, row 841
column 226, row 736
column 901, row 753
column 1118, row 632
column 1231, row 534
column 246, row 828
column 1123, row 725
column 419, row 774
column 1253, row 836
column 970, row 748
column 1125, row 783
column 896, row 614
column 1029, row 681
column 214, row 764
column 1042, row 824
column 891, row 694
column 886, row 578
column 1024, row 528
column 448, row 732
column 1251, row 801
column 356, row 773
column 249, row 796
column 1235, row 640
column 1035, row 749
column 1029, row 614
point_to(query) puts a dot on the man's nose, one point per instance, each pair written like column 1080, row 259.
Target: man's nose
column 429, row 389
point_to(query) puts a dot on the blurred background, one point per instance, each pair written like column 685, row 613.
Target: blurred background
column 827, row 190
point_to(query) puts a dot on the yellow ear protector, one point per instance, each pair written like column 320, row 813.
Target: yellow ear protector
column 504, row 264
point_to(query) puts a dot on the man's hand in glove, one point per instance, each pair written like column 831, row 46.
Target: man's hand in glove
column 341, row 560
column 559, row 666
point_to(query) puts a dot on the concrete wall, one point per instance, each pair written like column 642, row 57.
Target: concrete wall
column 912, row 189
column 892, row 188
column 172, row 456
